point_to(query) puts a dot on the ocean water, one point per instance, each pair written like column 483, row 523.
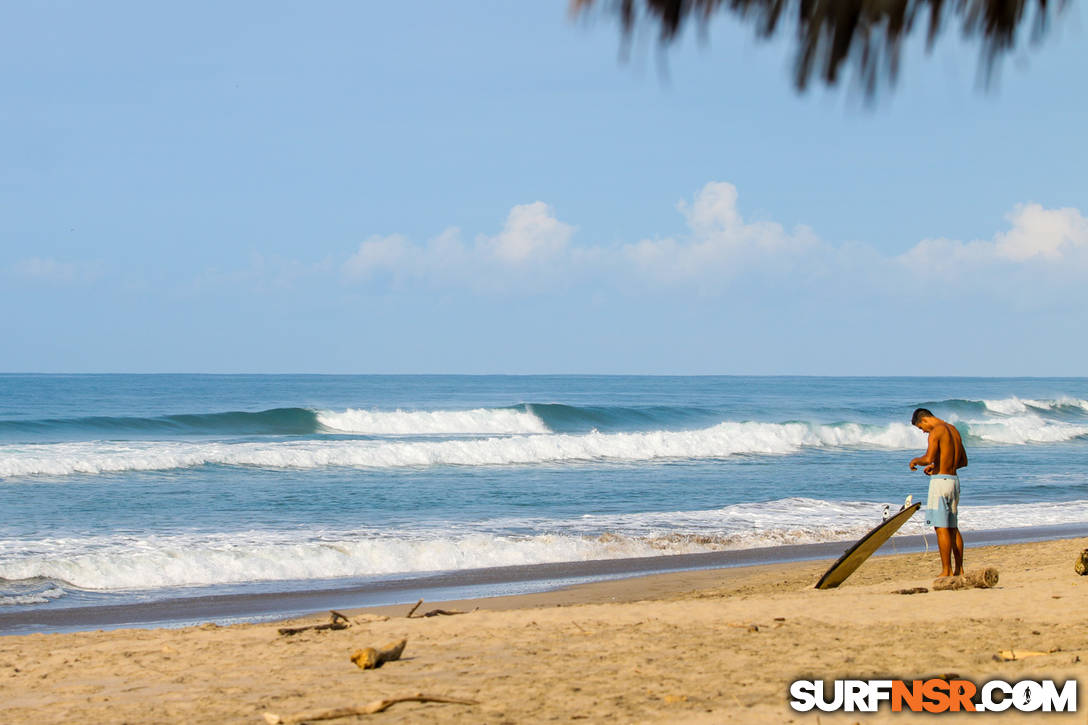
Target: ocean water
column 119, row 488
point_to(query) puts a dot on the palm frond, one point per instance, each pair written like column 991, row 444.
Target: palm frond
column 832, row 34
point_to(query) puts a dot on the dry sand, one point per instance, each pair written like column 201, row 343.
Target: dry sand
column 671, row 648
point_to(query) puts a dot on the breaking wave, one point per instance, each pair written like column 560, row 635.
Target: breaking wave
column 1017, row 406
column 720, row 441
column 438, row 422
column 129, row 562
column 1061, row 406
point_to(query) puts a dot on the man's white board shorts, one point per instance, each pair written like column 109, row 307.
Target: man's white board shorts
column 942, row 507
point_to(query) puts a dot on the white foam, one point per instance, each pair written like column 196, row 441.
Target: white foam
column 182, row 561
column 744, row 519
column 130, row 562
column 798, row 520
column 1006, row 406
column 1025, row 429
column 42, row 597
column 486, row 421
column 1008, row 516
column 1022, row 421
column 1016, row 405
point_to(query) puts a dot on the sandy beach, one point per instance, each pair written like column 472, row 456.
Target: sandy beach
column 707, row 646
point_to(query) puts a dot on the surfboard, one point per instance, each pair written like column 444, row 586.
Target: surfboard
column 856, row 555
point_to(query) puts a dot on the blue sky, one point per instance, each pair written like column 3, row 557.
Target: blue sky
column 484, row 187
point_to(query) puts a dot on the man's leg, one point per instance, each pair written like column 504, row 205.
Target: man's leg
column 944, row 544
column 957, row 552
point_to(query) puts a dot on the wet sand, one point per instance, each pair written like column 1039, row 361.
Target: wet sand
column 706, row 646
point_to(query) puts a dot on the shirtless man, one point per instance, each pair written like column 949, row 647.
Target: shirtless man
column 944, row 456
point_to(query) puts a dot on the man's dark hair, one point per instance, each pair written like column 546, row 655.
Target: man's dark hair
column 919, row 414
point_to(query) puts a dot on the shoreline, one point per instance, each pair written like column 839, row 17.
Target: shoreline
column 707, row 646
column 472, row 585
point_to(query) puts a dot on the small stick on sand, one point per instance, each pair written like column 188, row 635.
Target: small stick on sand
column 369, row 709
column 413, row 609
column 382, row 705
column 336, row 621
column 369, row 658
column 984, row 579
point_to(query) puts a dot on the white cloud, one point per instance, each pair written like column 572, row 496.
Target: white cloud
column 379, row 253
column 720, row 250
column 531, row 247
column 1050, row 234
column 720, row 243
column 714, row 210
column 534, row 243
column 1038, row 235
column 531, row 233
column 532, row 236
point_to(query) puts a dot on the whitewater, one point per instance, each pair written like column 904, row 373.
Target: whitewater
column 139, row 488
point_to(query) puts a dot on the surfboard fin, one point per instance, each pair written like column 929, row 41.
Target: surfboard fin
column 906, row 504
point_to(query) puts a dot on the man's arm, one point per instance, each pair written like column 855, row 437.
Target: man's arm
column 929, row 457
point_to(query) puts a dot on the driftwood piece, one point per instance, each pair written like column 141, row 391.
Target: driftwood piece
column 433, row 612
column 981, row 579
column 1081, row 565
column 912, row 590
column 383, row 705
column 336, row 621
column 370, row 658
column 369, row 709
column 442, row 612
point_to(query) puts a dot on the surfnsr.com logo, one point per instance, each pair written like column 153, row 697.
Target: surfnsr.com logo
column 934, row 695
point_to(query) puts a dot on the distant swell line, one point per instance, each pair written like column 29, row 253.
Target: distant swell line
column 277, row 421
column 519, row 419
column 1013, row 405
column 290, row 421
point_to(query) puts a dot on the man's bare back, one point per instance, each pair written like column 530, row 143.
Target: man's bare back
column 945, row 454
